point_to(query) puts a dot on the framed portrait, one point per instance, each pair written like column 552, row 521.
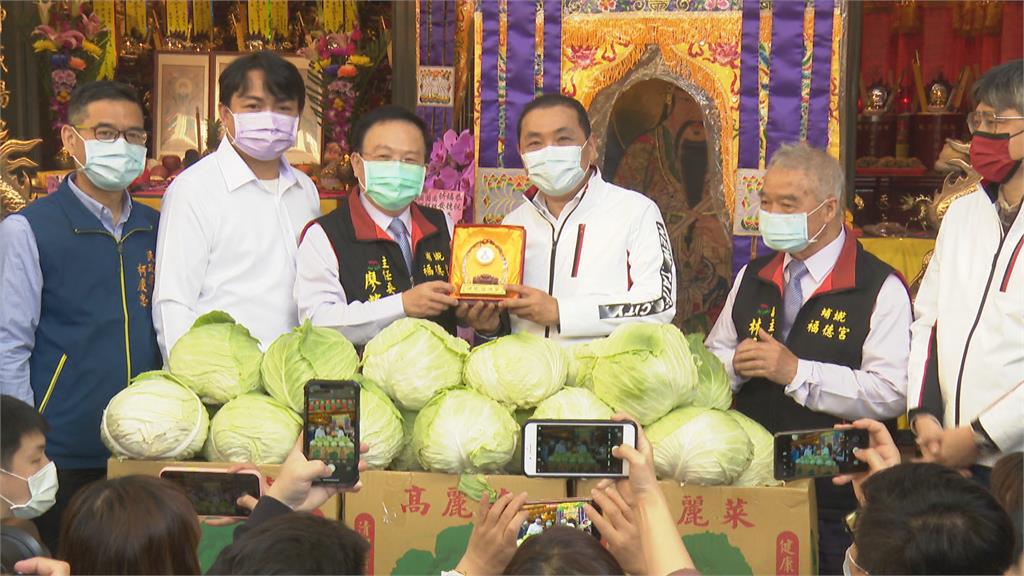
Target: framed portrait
column 309, row 140
column 181, row 102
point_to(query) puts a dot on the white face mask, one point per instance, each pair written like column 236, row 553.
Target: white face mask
column 555, row 170
column 42, row 487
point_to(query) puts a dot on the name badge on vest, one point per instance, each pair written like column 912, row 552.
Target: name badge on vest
column 379, row 280
column 829, row 324
column 764, row 319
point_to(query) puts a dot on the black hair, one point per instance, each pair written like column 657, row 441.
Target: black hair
column 17, row 420
column 554, row 101
column 1001, row 87
column 280, row 77
column 928, row 519
column 563, row 550
column 389, row 113
column 90, row 92
column 295, row 543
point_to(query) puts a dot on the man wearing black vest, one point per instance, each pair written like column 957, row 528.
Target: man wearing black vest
column 378, row 257
column 819, row 332
column 76, row 278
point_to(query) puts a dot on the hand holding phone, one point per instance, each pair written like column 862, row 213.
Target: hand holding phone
column 576, row 448
column 215, row 492
column 880, row 454
column 331, row 429
column 819, row 453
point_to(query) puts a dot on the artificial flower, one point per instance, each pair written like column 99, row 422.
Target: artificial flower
column 91, row 49
column 347, row 71
column 66, row 38
column 339, row 103
column 331, row 70
column 63, row 96
column 59, row 60
column 91, row 25
column 76, row 63
column 359, row 60
column 44, row 45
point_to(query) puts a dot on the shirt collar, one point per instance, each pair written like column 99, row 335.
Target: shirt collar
column 382, row 220
column 237, row 173
column 822, row 262
column 101, row 212
column 593, row 176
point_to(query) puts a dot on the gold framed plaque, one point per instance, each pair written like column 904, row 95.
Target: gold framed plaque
column 486, row 258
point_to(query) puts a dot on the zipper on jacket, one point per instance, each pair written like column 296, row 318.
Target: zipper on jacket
column 53, row 382
column 124, row 296
column 974, row 327
column 554, row 250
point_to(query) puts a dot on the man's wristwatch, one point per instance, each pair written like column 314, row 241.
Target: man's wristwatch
column 981, row 438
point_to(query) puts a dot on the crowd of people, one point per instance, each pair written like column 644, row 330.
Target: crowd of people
column 97, row 288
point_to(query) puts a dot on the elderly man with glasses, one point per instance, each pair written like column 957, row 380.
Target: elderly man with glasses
column 966, row 372
column 76, row 274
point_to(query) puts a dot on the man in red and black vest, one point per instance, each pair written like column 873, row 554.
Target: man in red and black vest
column 379, row 257
column 818, row 333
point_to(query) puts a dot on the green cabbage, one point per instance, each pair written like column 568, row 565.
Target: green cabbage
column 573, row 404
column 700, row 446
column 155, row 418
column 761, row 471
column 252, row 428
column 713, row 389
column 645, row 370
column 217, row 359
column 461, row 431
column 412, row 359
column 406, row 460
column 380, row 424
column 518, row 370
column 581, row 365
column 306, row 353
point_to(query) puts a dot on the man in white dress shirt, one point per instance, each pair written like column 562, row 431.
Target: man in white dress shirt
column 819, row 332
column 230, row 224
column 380, row 257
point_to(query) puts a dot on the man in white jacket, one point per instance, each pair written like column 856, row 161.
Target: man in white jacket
column 597, row 255
column 966, row 373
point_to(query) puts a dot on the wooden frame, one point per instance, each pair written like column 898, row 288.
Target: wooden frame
column 181, row 102
column 309, row 142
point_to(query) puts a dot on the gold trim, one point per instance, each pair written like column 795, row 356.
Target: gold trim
column 53, row 382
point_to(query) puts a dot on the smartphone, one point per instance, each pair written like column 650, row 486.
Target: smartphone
column 543, row 515
column 331, row 426
column 215, row 492
column 818, row 453
column 575, row 448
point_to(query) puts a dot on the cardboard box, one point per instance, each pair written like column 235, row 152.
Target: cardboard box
column 419, row 522
column 733, row 530
column 116, row 468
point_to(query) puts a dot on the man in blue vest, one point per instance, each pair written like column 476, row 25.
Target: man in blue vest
column 819, row 332
column 76, row 273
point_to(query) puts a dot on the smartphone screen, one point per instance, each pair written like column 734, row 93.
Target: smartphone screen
column 569, row 448
column 544, row 515
column 332, row 428
column 215, row 493
column 818, row 453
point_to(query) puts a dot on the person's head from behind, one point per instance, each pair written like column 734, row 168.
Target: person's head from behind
column 296, row 543
column 391, row 145
column 801, row 200
column 105, row 135
column 261, row 98
column 554, row 141
column 130, row 525
column 1007, row 486
column 928, row 519
column 28, row 480
column 997, row 122
column 563, row 550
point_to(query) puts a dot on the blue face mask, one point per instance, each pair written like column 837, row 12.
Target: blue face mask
column 113, row 165
column 787, row 232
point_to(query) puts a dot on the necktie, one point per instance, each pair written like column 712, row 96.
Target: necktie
column 401, row 236
column 793, row 297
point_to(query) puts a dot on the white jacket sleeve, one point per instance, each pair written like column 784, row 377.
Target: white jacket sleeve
column 651, row 297
column 1001, row 421
column 921, row 338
